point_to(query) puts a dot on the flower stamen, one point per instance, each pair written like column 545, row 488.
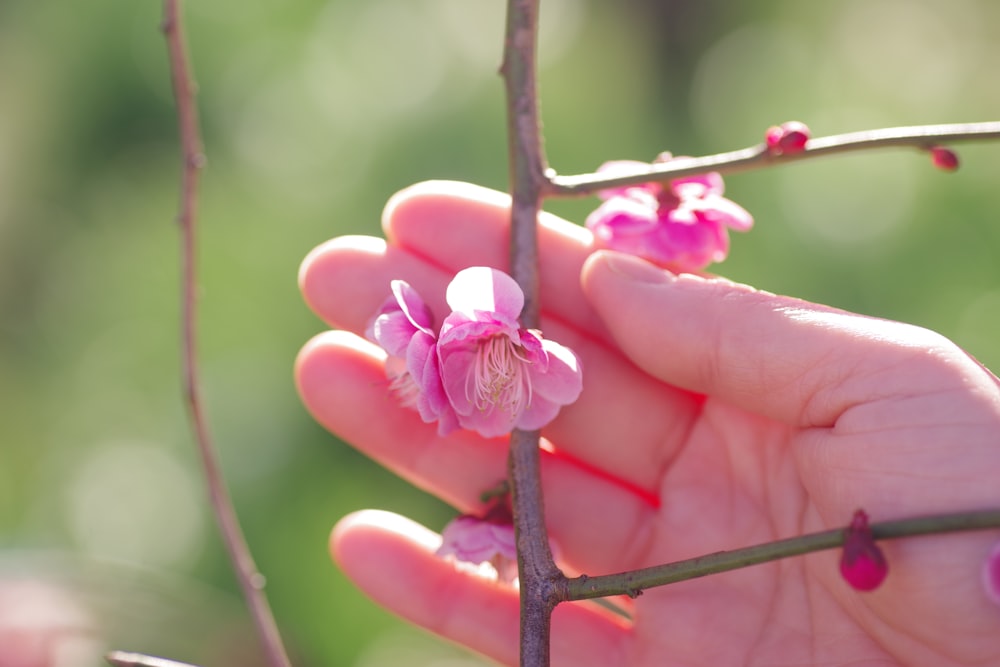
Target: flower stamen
column 498, row 377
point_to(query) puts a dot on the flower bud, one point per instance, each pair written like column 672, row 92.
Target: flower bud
column 787, row 138
column 862, row 563
column 943, row 158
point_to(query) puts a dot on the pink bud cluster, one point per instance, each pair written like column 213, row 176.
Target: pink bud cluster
column 787, row 138
column 680, row 225
column 482, row 371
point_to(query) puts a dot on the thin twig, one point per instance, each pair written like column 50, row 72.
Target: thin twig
column 537, row 572
column 634, row 582
column 123, row 659
column 193, row 158
column 758, row 157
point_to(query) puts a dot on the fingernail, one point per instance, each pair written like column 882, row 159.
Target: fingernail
column 635, row 269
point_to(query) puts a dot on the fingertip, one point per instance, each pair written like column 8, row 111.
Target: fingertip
column 334, row 367
column 331, row 265
column 354, row 536
column 619, row 270
column 392, row 559
column 413, row 204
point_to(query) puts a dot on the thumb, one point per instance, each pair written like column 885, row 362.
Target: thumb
column 798, row 362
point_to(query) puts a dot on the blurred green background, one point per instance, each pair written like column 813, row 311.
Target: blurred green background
column 314, row 113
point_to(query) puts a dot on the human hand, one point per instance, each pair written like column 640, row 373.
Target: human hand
column 713, row 416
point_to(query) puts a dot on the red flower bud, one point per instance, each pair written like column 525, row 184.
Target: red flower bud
column 943, row 158
column 862, row 563
column 787, row 138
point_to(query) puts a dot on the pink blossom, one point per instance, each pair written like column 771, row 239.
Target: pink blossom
column 787, row 138
column 473, row 539
column 482, row 371
column 497, row 375
column 403, row 327
column 862, row 563
column 486, row 539
column 681, row 225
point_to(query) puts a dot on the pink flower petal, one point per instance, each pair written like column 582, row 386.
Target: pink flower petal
column 480, row 288
column 623, row 167
column 393, row 331
column 398, row 318
column 432, row 402
column 562, row 380
column 725, row 211
column 458, row 327
column 457, row 364
column 474, row 540
column 702, row 185
column 412, row 305
column 622, row 215
column 539, row 412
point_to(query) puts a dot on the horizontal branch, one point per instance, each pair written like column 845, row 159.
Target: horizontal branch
column 634, row 582
column 758, row 156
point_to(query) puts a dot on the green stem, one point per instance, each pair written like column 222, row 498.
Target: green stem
column 634, row 582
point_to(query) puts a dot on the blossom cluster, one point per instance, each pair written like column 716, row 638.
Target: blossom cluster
column 681, row 225
column 487, row 539
column 481, row 371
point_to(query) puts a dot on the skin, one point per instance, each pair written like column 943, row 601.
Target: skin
column 713, row 416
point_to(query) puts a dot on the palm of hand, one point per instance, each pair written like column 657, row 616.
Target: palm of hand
column 786, row 443
column 739, row 480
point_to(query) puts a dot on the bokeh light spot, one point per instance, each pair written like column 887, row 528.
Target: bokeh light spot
column 132, row 502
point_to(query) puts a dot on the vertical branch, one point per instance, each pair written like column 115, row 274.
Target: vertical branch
column 193, row 158
column 525, row 153
column 538, row 574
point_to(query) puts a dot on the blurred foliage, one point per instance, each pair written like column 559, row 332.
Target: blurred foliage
column 314, row 113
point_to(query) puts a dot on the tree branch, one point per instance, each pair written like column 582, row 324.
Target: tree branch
column 634, row 582
column 758, row 157
column 527, row 164
column 193, row 159
column 537, row 572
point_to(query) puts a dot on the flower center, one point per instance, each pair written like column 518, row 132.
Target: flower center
column 499, row 377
